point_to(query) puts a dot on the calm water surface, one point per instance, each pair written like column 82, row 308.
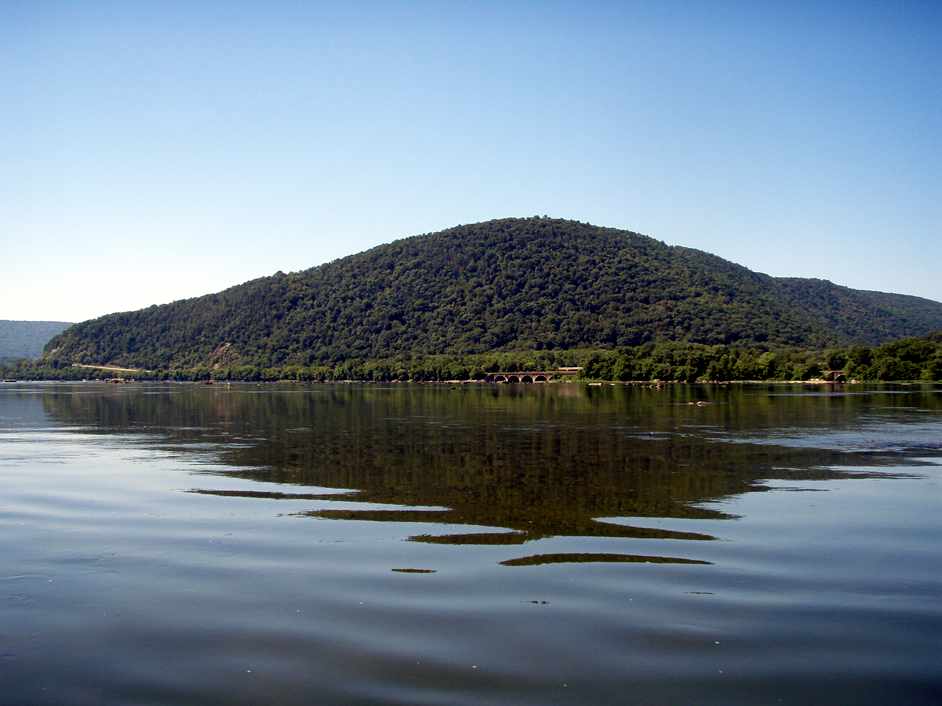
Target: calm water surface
column 552, row 544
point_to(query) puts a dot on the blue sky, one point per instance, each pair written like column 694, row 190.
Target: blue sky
column 154, row 151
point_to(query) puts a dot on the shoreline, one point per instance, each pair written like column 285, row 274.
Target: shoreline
column 652, row 384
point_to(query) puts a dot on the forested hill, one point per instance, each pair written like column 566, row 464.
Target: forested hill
column 25, row 339
column 512, row 284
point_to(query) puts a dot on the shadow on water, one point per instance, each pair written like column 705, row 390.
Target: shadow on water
column 531, row 463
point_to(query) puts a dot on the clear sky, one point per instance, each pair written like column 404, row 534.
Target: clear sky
column 154, row 151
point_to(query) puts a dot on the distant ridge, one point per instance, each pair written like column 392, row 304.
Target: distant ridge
column 509, row 284
column 25, row 339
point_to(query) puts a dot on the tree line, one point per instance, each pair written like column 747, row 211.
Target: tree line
column 907, row 359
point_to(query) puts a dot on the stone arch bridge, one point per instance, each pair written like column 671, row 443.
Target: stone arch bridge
column 532, row 376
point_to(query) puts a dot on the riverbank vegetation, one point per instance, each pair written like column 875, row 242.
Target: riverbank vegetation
column 903, row 360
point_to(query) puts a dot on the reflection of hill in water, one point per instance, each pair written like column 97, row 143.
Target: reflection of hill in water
column 19, row 410
column 538, row 462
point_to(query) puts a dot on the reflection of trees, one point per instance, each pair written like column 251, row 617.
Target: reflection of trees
column 539, row 462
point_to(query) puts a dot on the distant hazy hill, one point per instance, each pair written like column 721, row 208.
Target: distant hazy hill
column 25, row 339
column 508, row 284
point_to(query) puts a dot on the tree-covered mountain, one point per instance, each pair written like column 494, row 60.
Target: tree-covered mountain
column 25, row 339
column 511, row 284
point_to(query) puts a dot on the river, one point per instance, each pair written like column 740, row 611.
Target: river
column 478, row 544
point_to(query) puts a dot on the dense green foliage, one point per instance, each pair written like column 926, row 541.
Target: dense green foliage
column 505, row 285
column 906, row 359
column 25, row 339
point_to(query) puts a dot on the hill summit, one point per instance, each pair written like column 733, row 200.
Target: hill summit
column 509, row 284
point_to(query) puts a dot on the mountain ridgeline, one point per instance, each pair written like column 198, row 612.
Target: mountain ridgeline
column 25, row 339
column 502, row 285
